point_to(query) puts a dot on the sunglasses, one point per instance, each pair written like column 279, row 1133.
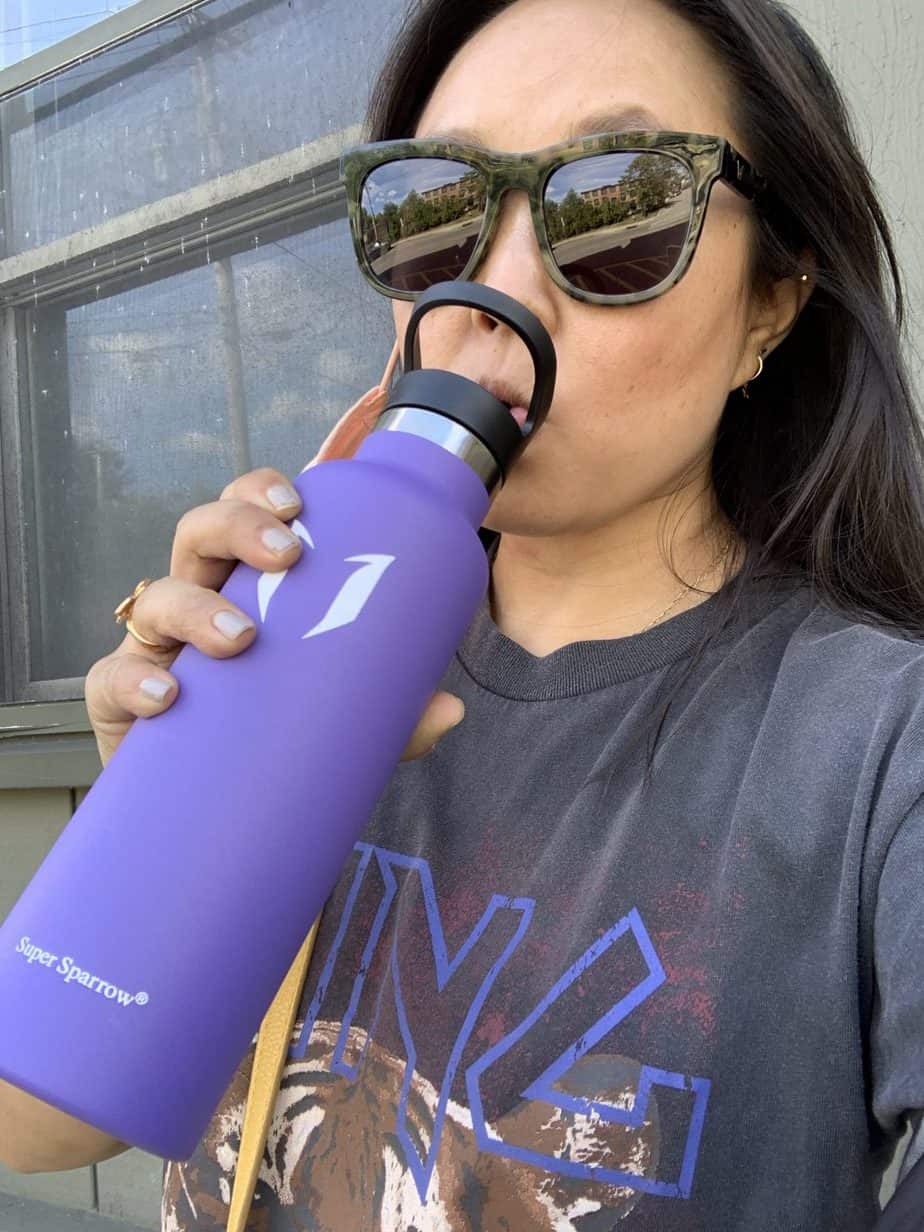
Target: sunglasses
column 617, row 215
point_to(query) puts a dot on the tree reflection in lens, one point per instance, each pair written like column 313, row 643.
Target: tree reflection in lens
column 617, row 222
column 420, row 220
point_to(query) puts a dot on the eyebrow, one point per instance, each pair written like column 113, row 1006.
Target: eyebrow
column 626, row 119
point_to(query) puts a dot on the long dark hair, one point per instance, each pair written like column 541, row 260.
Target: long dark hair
column 820, row 472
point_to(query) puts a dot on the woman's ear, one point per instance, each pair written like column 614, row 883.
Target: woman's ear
column 773, row 313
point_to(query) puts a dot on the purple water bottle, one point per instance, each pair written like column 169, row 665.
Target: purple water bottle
column 139, row 962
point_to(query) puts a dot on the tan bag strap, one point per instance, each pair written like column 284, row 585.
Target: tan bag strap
column 269, row 1058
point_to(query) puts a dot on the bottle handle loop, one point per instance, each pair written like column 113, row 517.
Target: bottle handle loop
column 506, row 309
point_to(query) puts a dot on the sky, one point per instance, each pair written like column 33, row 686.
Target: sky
column 28, row 26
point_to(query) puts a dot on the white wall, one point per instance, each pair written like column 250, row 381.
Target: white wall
column 876, row 50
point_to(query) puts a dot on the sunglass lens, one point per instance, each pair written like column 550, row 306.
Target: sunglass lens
column 617, row 222
column 420, row 220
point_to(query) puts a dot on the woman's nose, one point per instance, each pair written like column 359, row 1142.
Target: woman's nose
column 512, row 259
column 513, row 264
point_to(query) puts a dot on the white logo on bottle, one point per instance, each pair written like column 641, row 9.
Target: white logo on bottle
column 351, row 598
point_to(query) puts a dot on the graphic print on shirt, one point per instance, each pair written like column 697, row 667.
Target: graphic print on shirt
column 407, row 1102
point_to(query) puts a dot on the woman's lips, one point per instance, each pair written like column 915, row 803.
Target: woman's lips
column 519, row 413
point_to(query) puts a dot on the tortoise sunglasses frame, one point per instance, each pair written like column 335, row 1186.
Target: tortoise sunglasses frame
column 706, row 158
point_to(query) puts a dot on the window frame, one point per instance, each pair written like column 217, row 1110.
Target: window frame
column 280, row 195
column 92, row 41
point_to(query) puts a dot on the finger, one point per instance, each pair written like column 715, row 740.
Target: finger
column 205, row 562
column 385, row 379
column 211, row 539
column 172, row 611
column 121, row 688
column 443, row 712
column 349, row 432
column 266, row 488
column 113, row 689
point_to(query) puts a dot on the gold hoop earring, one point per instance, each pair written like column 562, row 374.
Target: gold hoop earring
column 760, row 368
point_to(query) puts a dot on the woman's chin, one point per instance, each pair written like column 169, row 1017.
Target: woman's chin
column 524, row 517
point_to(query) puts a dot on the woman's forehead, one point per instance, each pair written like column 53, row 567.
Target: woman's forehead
column 543, row 71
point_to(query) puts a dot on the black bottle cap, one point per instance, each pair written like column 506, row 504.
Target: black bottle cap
column 463, row 400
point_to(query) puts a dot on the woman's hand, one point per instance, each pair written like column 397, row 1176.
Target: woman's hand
column 246, row 523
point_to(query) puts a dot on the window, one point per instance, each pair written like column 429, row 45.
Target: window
column 178, row 298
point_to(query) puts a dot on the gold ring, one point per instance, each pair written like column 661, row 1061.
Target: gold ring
column 123, row 613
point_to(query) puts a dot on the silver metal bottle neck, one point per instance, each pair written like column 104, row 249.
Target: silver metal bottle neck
column 449, row 435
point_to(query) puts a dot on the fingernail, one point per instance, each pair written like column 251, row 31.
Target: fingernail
column 230, row 624
column 278, row 540
column 281, row 496
column 155, row 689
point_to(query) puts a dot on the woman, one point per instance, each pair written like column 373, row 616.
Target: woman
column 641, row 943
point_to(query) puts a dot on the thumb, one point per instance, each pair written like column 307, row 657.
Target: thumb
column 349, row 432
column 443, row 712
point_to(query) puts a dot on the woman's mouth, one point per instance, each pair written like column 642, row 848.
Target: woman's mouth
column 507, row 393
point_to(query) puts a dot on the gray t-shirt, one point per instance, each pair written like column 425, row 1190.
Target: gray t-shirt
column 551, row 994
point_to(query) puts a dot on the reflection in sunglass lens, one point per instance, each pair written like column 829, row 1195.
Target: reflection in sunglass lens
column 617, row 222
column 420, row 220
